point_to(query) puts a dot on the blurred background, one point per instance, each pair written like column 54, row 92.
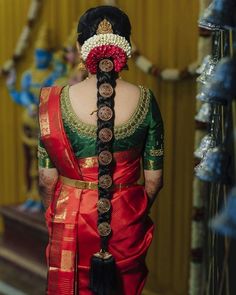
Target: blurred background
column 37, row 48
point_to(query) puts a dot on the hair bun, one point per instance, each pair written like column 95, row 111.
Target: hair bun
column 89, row 21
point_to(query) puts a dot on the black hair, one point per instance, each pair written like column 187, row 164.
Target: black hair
column 87, row 28
column 90, row 20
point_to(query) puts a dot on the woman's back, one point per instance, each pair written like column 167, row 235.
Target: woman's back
column 83, row 97
column 138, row 122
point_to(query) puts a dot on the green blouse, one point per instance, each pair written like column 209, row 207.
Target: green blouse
column 144, row 128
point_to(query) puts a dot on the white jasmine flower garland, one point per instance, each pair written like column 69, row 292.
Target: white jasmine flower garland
column 105, row 39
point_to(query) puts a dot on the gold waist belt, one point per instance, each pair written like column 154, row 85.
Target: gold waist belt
column 81, row 184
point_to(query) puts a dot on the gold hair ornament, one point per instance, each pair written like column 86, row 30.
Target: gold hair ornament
column 104, row 27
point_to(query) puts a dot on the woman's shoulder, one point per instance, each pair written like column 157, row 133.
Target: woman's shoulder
column 50, row 93
column 135, row 90
column 131, row 86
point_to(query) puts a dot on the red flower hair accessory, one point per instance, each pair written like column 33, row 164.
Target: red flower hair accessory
column 117, row 54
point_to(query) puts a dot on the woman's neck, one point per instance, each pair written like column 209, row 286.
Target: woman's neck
column 93, row 76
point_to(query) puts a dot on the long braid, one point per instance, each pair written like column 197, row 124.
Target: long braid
column 105, row 168
column 103, row 261
column 104, row 36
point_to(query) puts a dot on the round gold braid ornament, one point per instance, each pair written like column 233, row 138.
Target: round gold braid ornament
column 105, row 134
column 105, row 113
column 103, row 205
column 106, row 90
column 104, row 229
column 105, row 158
column 106, row 65
column 105, row 181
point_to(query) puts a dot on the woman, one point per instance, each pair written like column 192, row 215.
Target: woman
column 93, row 135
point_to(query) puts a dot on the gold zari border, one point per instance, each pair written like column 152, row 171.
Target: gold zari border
column 43, row 159
column 156, row 153
column 121, row 131
column 150, row 165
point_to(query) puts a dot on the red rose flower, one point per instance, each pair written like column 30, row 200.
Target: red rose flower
column 116, row 53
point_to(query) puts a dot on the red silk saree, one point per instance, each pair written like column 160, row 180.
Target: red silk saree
column 72, row 215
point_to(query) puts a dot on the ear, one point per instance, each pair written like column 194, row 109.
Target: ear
column 78, row 47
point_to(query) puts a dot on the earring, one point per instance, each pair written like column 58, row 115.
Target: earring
column 81, row 66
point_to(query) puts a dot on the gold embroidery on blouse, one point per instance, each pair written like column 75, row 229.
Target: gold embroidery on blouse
column 149, row 165
column 45, row 163
column 156, row 153
column 43, row 159
column 42, row 153
column 121, row 131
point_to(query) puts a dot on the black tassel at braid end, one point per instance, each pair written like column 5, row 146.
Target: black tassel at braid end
column 103, row 273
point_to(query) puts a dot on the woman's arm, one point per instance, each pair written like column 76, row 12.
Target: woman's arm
column 154, row 152
column 47, row 182
column 153, row 184
column 48, row 175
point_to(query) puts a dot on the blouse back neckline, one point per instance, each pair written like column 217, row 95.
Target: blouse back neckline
column 120, row 131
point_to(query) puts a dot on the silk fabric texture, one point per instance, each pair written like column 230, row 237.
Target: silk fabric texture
column 144, row 128
column 72, row 216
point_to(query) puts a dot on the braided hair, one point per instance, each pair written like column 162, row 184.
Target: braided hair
column 103, row 262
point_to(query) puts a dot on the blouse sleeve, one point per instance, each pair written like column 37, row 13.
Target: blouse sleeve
column 154, row 145
column 44, row 160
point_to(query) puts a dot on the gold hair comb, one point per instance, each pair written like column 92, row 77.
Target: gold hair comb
column 104, row 27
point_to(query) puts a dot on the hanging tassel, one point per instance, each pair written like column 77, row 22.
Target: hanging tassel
column 102, row 273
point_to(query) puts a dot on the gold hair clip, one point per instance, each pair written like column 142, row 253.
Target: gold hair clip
column 104, row 27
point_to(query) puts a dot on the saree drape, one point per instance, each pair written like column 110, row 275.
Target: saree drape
column 72, row 216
